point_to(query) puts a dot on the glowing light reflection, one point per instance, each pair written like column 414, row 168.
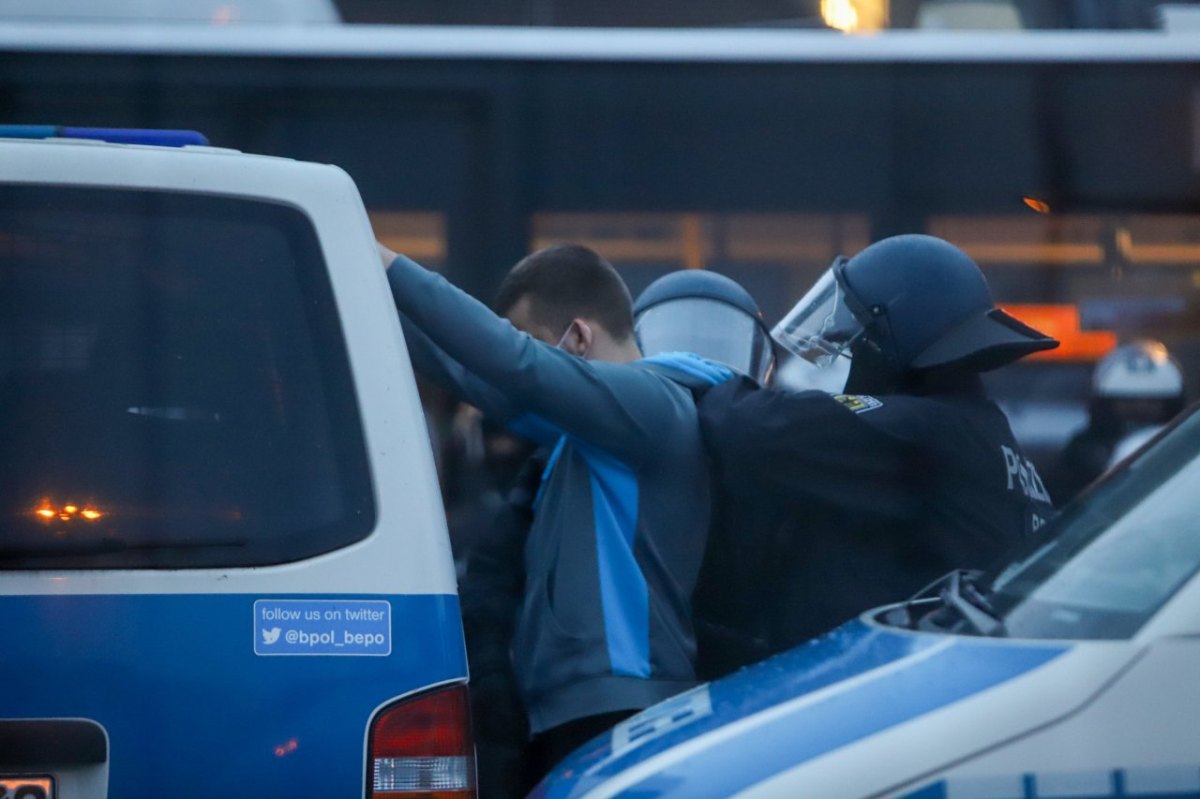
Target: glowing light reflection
column 47, row 510
column 840, row 14
column 1041, row 206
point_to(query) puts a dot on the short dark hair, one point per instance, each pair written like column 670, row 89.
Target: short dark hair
column 568, row 281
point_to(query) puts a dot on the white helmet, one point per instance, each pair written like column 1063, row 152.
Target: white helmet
column 1140, row 369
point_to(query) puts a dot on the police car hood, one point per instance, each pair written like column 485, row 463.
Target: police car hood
column 862, row 694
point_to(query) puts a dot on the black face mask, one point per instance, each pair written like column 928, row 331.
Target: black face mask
column 871, row 372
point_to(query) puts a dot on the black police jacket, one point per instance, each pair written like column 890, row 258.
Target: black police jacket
column 830, row 506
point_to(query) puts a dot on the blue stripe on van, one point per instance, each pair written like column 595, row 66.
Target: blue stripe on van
column 191, row 711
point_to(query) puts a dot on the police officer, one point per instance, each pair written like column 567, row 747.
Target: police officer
column 708, row 314
column 863, row 498
column 1136, row 389
column 713, row 316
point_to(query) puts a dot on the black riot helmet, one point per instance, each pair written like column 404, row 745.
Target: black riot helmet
column 694, row 310
column 904, row 305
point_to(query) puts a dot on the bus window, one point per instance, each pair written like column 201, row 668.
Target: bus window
column 421, row 235
column 774, row 255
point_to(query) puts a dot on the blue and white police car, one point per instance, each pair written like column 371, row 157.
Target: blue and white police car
column 1072, row 672
column 224, row 567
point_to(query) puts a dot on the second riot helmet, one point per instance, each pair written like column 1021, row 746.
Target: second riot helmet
column 694, row 310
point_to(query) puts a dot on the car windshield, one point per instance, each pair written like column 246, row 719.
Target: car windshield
column 1117, row 554
column 174, row 386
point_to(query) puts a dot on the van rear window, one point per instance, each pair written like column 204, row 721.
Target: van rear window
column 174, row 387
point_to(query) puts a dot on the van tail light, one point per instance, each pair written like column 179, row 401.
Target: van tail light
column 421, row 748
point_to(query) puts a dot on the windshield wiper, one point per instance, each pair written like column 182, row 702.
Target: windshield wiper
column 901, row 615
column 972, row 606
column 955, row 591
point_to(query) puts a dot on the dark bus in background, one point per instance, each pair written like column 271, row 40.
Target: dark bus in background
column 1066, row 164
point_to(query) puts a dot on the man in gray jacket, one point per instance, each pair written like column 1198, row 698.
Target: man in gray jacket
column 621, row 515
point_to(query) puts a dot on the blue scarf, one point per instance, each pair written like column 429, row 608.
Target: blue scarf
column 693, row 366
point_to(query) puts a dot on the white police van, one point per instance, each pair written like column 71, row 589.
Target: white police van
column 1074, row 671
column 224, row 568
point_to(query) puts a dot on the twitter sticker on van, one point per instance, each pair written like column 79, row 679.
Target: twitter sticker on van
column 322, row 627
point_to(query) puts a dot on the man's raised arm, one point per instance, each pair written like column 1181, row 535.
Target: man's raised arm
column 608, row 405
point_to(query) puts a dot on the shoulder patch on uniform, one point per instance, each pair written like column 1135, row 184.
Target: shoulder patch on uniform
column 859, row 403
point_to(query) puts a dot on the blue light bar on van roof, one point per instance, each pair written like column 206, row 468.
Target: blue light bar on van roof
column 160, row 138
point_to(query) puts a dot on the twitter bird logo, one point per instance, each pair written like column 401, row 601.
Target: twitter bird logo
column 270, row 636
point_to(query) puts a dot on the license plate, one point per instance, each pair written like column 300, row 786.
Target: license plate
column 26, row 786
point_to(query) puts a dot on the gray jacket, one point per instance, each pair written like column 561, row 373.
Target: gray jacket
column 622, row 513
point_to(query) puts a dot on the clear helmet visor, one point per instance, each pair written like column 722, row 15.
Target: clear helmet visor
column 820, row 327
column 709, row 328
column 796, row 375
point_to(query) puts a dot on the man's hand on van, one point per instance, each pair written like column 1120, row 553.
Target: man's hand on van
column 385, row 255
